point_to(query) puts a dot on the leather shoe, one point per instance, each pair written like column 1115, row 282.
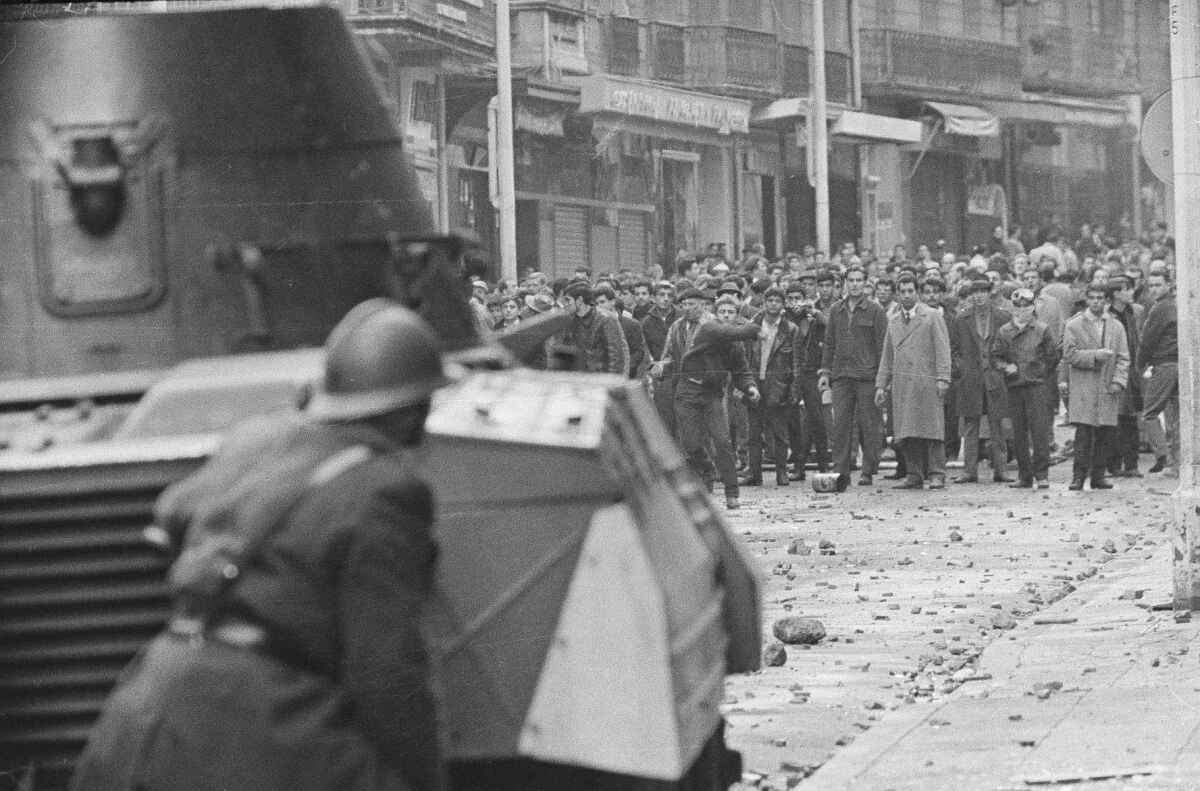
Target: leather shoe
column 1076, row 485
column 732, row 504
column 796, row 475
column 1021, row 485
column 1100, row 483
column 1001, row 478
column 967, row 479
column 895, row 476
column 937, row 482
column 1042, row 483
column 1159, row 463
column 909, row 483
column 750, row 480
column 864, row 480
column 1129, row 474
column 781, row 478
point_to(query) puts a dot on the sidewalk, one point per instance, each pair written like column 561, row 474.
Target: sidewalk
column 1095, row 692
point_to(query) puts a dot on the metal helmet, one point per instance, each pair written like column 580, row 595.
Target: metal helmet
column 381, row 356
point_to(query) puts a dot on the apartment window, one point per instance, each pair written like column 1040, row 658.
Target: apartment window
column 668, row 53
column 796, row 78
column 885, row 13
column 972, row 18
column 566, row 32
column 931, row 16
column 745, row 13
column 624, row 55
column 424, row 102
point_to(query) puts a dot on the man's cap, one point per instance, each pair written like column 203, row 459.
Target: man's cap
column 794, row 288
column 539, row 303
column 1022, row 297
column 807, row 273
column 691, row 293
column 729, row 287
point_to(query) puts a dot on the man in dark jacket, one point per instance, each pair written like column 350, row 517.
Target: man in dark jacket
column 853, row 347
column 295, row 659
column 655, row 326
column 705, row 354
column 607, row 302
column 773, row 361
column 978, row 386
column 1124, row 460
column 595, row 338
column 1158, row 353
column 808, row 424
column 1026, row 351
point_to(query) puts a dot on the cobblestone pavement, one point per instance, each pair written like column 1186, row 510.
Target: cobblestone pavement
column 910, row 586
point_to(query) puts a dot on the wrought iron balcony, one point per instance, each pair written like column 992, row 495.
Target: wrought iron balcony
column 735, row 61
column 902, row 58
column 1059, row 58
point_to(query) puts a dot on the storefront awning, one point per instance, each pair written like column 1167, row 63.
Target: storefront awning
column 869, row 127
column 846, row 125
column 1076, row 113
column 966, row 119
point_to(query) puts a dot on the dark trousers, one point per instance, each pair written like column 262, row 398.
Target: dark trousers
column 701, row 419
column 1033, row 428
column 924, row 458
column 769, row 425
column 1092, row 444
column 807, row 426
column 854, row 405
column 1124, row 452
column 664, row 402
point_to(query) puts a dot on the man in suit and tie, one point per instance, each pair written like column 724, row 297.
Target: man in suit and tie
column 915, row 369
column 773, row 361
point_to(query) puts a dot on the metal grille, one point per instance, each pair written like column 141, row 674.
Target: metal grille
column 750, row 58
column 80, row 592
column 923, row 60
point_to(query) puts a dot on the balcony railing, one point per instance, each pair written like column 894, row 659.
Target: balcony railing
column 902, row 58
column 732, row 60
column 473, row 22
column 1066, row 59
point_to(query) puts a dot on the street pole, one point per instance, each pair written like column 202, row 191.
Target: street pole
column 505, row 179
column 820, row 130
column 1185, row 134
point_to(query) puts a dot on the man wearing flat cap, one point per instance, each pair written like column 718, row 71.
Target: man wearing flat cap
column 979, row 386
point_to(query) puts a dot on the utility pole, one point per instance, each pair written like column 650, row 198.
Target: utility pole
column 506, row 190
column 1185, row 134
column 819, row 135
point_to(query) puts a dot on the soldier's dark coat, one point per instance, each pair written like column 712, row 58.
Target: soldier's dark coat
column 346, row 703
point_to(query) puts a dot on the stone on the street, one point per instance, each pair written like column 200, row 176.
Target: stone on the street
column 796, row 630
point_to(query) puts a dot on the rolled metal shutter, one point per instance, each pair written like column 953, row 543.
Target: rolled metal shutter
column 631, row 235
column 570, row 239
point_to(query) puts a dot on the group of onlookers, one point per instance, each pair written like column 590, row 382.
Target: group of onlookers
column 813, row 360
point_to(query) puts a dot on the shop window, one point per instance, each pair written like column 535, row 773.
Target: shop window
column 668, row 53
column 624, row 57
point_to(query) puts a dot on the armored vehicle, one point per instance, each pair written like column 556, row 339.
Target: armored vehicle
column 193, row 199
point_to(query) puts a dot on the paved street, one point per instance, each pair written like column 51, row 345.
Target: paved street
column 914, row 588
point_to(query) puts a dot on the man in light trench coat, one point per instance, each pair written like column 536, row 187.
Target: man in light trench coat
column 1091, row 377
column 915, row 366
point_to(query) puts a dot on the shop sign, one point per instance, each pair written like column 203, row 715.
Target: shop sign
column 602, row 94
column 546, row 123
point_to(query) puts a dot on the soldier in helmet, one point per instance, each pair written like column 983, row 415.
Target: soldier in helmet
column 295, row 658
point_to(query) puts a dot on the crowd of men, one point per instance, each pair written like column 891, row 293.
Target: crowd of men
column 828, row 360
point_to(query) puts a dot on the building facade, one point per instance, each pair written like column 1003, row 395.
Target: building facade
column 647, row 128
